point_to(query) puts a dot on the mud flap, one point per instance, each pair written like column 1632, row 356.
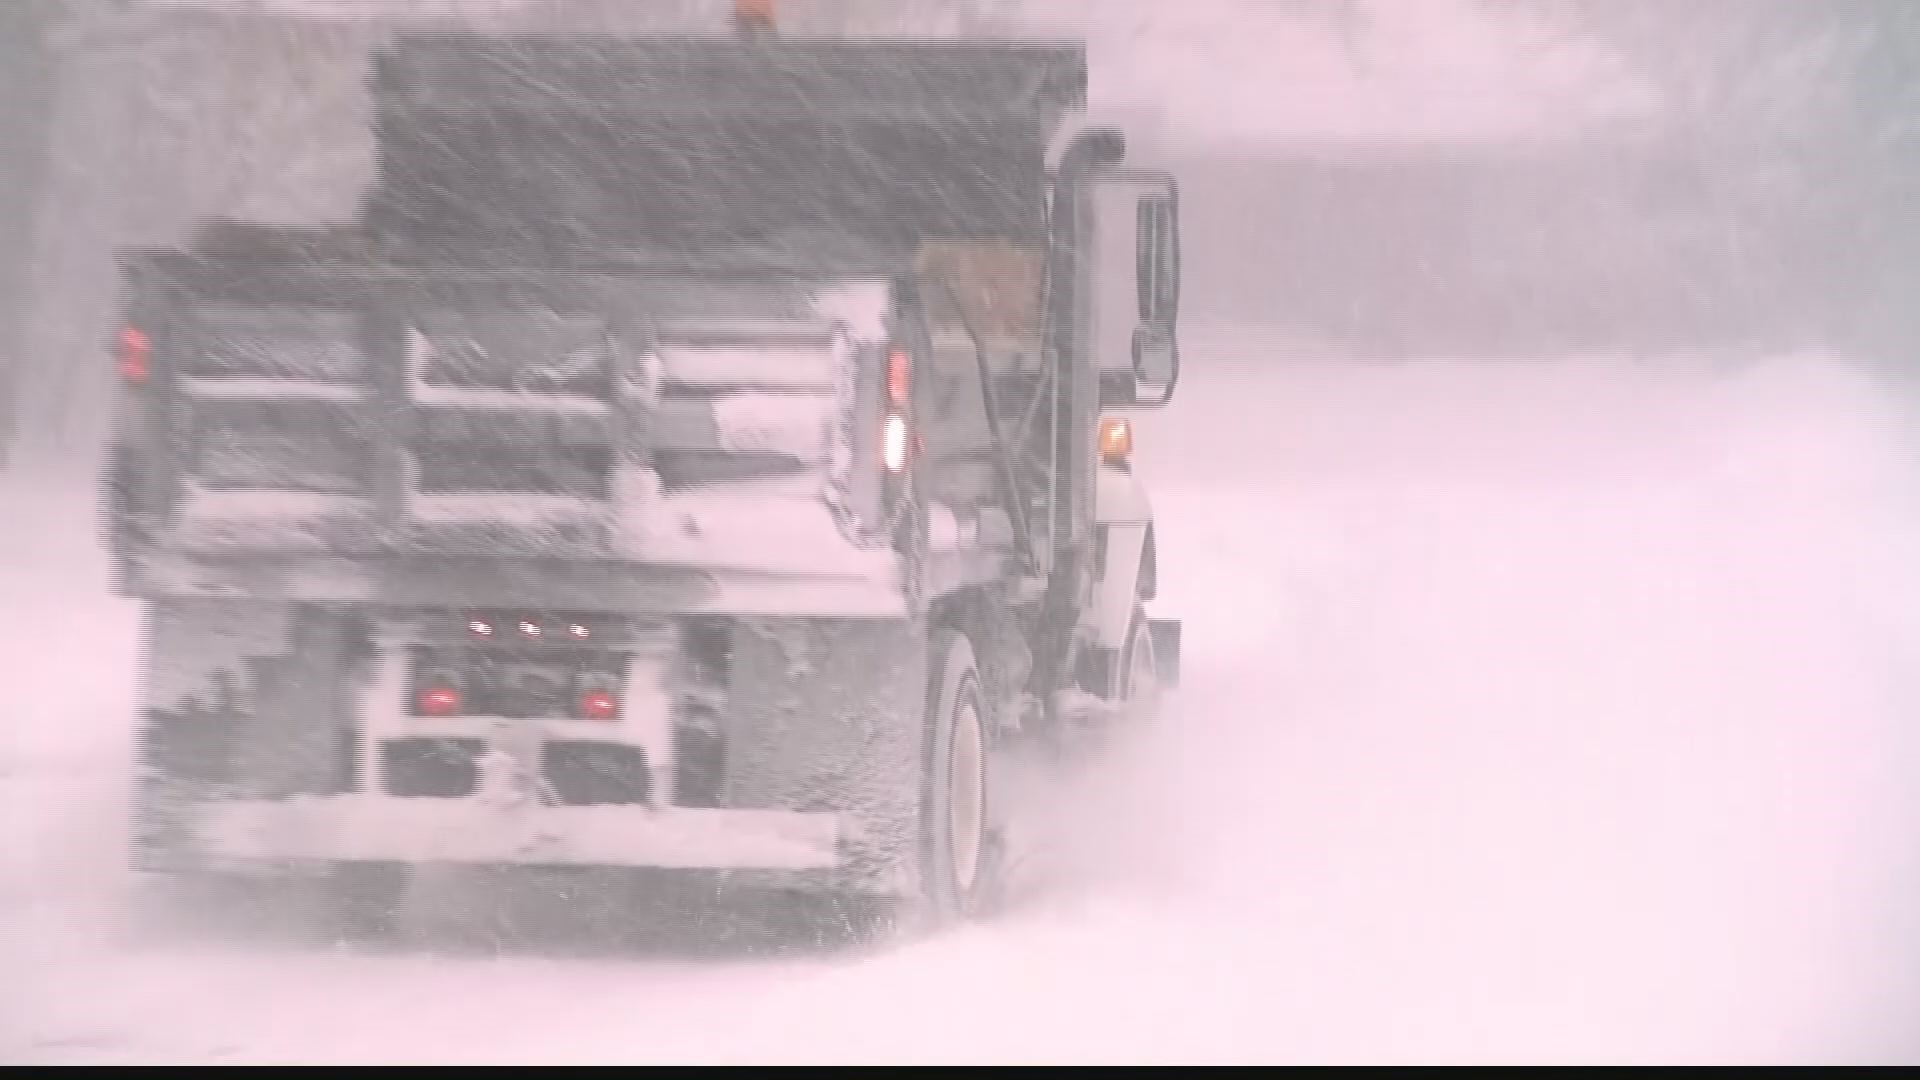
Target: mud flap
column 239, row 698
column 293, row 742
column 827, row 715
column 1166, row 649
column 181, row 759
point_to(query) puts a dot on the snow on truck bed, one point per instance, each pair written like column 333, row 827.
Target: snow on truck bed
column 772, row 527
column 471, row 398
column 758, row 386
column 264, row 389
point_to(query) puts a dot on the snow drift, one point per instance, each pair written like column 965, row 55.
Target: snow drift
column 1556, row 712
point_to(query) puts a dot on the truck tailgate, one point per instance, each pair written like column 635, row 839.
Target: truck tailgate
column 354, row 410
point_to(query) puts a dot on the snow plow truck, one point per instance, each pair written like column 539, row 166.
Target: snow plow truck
column 709, row 456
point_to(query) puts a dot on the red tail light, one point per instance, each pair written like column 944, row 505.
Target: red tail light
column 599, row 705
column 895, row 438
column 899, row 376
column 135, row 355
column 439, row 701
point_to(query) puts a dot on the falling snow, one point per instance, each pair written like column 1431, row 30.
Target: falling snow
column 1539, row 503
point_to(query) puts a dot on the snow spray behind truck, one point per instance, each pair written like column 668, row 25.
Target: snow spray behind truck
column 701, row 455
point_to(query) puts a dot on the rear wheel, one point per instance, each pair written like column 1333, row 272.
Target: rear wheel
column 960, row 855
column 960, row 852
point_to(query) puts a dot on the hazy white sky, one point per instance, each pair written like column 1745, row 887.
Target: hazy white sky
column 1265, row 70
column 1251, row 70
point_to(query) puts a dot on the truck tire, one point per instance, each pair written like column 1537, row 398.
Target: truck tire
column 1136, row 688
column 1118, row 697
column 960, row 854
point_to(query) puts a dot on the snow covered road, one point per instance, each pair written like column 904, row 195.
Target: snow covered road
column 1531, row 713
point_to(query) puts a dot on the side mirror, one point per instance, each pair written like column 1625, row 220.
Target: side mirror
column 1156, row 348
column 1157, row 258
column 1132, row 267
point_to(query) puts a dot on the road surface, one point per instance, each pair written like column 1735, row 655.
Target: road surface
column 1556, row 712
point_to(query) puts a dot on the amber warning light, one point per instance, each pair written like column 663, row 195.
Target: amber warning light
column 1116, row 440
column 754, row 16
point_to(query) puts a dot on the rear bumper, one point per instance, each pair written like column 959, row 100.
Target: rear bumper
column 312, row 756
column 362, row 828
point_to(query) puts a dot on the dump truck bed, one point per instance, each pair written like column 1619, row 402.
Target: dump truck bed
column 356, row 430
column 581, row 143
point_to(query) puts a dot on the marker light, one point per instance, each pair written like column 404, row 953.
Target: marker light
column 1116, row 440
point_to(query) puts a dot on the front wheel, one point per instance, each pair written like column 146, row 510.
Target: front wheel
column 1137, row 690
column 1113, row 700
